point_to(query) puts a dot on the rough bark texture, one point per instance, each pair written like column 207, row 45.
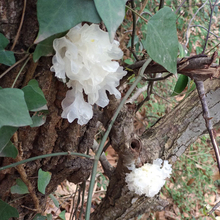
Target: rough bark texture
column 168, row 139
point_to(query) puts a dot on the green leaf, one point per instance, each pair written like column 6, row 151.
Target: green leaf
column 58, row 16
column 182, row 50
column 45, row 47
column 7, row 211
column 19, row 188
column 6, row 57
column 33, row 95
column 161, row 41
column 62, row 215
column 39, row 118
column 180, row 85
column 40, row 217
column 56, row 203
column 112, row 13
column 6, row 133
column 49, row 217
column 43, row 180
column 13, row 108
column 9, row 151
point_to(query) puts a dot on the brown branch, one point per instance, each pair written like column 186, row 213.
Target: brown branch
column 20, row 26
column 201, row 91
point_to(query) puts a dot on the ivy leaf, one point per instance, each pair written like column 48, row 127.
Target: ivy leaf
column 58, row 16
column 13, row 108
column 40, row 217
column 62, row 215
column 33, row 95
column 56, row 203
column 112, row 13
column 9, row 151
column 7, row 211
column 43, row 180
column 161, row 41
column 6, row 133
column 39, row 118
column 19, row 188
column 49, row 217
column 45, row 47
column 6, row 57
column 180, row 85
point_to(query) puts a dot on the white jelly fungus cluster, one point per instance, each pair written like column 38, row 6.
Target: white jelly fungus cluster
column 149, row 178
column 85, row 60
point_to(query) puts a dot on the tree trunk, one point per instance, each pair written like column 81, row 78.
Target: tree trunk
column 167, row 139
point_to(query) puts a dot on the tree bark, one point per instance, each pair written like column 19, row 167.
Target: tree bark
column 167, row 139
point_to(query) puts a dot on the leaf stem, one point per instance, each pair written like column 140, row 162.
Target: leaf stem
column 44, row 156
column 101, row 146
column 136, row 13
column 19, row 73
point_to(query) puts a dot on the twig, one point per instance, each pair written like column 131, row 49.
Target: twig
column 101, row 146
column 206, row 116
column 161, row 4
column 210, row 21
column 214, row 208
column 157, row 79
column 24, row 177
column 19, row 73
column 149, row 92
column 206, row 30
column 181, row 4
column 187, row 34
column 136, row 94
column 11, row 67
column 44, row 156
column 20, row 26
column 133, row 31
column 107, row 167
column 136, row 13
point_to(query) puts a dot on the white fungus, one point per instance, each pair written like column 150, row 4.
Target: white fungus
column 149, row 178
column 85, row 59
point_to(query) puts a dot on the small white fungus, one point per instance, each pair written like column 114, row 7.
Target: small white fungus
column 149, row 178
column 85, row 58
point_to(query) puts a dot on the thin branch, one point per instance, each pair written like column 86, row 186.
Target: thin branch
column 181, row 4
column 187, row 34
column 161, row 4
column 45, row 156
column 133, row 31
column 149, row 92
column 210, row 21
column 19, row 73
column 157, row 79
column 206, row 116
column 206, row 30
column 136, row 94
column 20, row 26
column 101, row 146
column 14, row 65
column 136, row 13
column 107, row 167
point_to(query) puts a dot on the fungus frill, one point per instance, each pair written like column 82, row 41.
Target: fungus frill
column 149, row 178
column 85, row 59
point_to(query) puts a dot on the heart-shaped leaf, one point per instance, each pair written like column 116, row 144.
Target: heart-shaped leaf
column 6, row 57
column 112, row 13
column 9, row 151
column 7, row 211
column 13, row 108
column 43, row 180
column 19, row 188
column 58, row 16
column 161, row 41
column 33, row 95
